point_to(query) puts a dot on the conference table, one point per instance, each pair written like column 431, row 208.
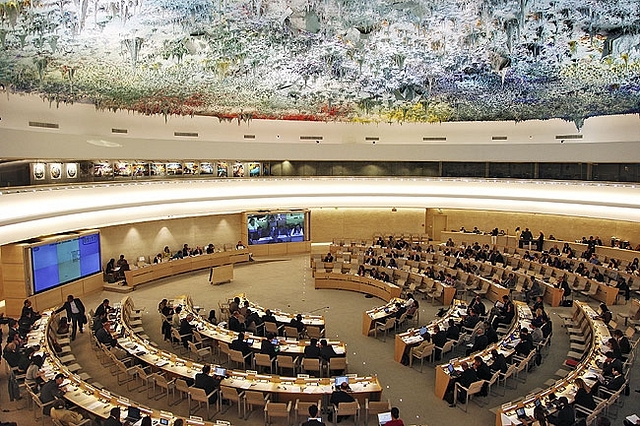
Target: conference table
column 506, row 346
column 287, row 346
column 588, row 369
column 338, row 281
column 221, row 262
column 281, row 388
column 88, row 397
column 412, row 337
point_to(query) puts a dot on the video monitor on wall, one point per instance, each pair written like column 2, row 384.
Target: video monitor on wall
column 272, row 228
column 63, row 261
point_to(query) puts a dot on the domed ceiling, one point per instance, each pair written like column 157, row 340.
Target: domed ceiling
column 326, row 60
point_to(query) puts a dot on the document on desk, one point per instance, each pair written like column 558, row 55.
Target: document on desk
column 94, row 405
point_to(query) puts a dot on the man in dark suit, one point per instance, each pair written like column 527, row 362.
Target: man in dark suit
column 499, row 362
column 234, row 322
column 186, row 330
column 439, row 338
column 114, row 418
column 239, row 344
column 313, row 417
column 467, row 377
column 340, row 395
column 51, row 391
column 525, row 346
column 75, row 312
column 103, row 335
column 208, row 383
column 326, row 351
column 268, row 348
column 480, row 343
column 312, row 351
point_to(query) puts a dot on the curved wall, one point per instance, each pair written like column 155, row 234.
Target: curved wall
column 31, row 213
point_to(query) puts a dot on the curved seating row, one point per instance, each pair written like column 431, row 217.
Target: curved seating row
column 281, row 388
column 505, row 346
column 90, row 397
column 588, row 369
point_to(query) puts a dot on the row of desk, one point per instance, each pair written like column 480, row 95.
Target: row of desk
column 288, row 346
column 505, row 346
column 587, row 369
column 98, row 402
column 338, row 281
column 412, row 337
column 283, row 318
column 282, row 389
column 221, row 262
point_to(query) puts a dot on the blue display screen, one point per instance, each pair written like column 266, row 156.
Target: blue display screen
column 65, row 261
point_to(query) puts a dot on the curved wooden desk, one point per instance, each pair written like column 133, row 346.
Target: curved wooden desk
column 282, row 317
column 564, row 387
column 412, row 336
column 287, row 346
column 282, row 388
column 98, row 402
column 222, row 262
column 367, row 285
column 504, row 346
column 370, row 317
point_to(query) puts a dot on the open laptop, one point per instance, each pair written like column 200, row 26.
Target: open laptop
column 340, row 380
column 452, row 371
column 220, row 371
column 384, row 418
column 133, row 415
column 521, row 413
column 423, row 330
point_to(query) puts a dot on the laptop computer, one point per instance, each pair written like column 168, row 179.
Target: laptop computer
column 340, row 380
column 384, row 418
column 133, row 415
column 522, row 415
column 219, row 371
column 452, row 371
column 249, row 342
column 423, row 330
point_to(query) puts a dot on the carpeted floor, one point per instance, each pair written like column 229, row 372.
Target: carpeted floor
column 287, row 284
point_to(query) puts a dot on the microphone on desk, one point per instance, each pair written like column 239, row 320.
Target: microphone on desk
column 319, row 309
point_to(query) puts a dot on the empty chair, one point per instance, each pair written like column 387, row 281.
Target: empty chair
column 312, row 365
column 347, row 409
column 337, row 365
column 422, row 351
column 286, row 361
column 263, row 360
column 232, row 396
column 200, row 396
column 375, row 408
column 167, row 385
column 253, row 399
column 290, row 332
column 384, row 327
column 277, row 410
column 239, row 358
column 200, row 352
column 473, row 389
column 182, row 388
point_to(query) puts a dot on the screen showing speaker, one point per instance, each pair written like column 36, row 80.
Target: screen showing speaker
column 271, row 228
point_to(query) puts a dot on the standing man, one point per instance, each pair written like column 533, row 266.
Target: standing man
column 75, row 313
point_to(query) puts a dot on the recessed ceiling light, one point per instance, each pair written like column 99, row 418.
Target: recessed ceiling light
column 103, row 143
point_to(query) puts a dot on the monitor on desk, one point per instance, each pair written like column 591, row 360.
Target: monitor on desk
column 340, row 380
column 383, row 418
column 220, row 371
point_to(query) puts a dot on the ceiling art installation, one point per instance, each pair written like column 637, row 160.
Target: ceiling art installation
column 329, row 60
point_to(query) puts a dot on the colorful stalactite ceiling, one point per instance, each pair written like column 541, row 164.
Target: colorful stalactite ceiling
column 345, row 60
